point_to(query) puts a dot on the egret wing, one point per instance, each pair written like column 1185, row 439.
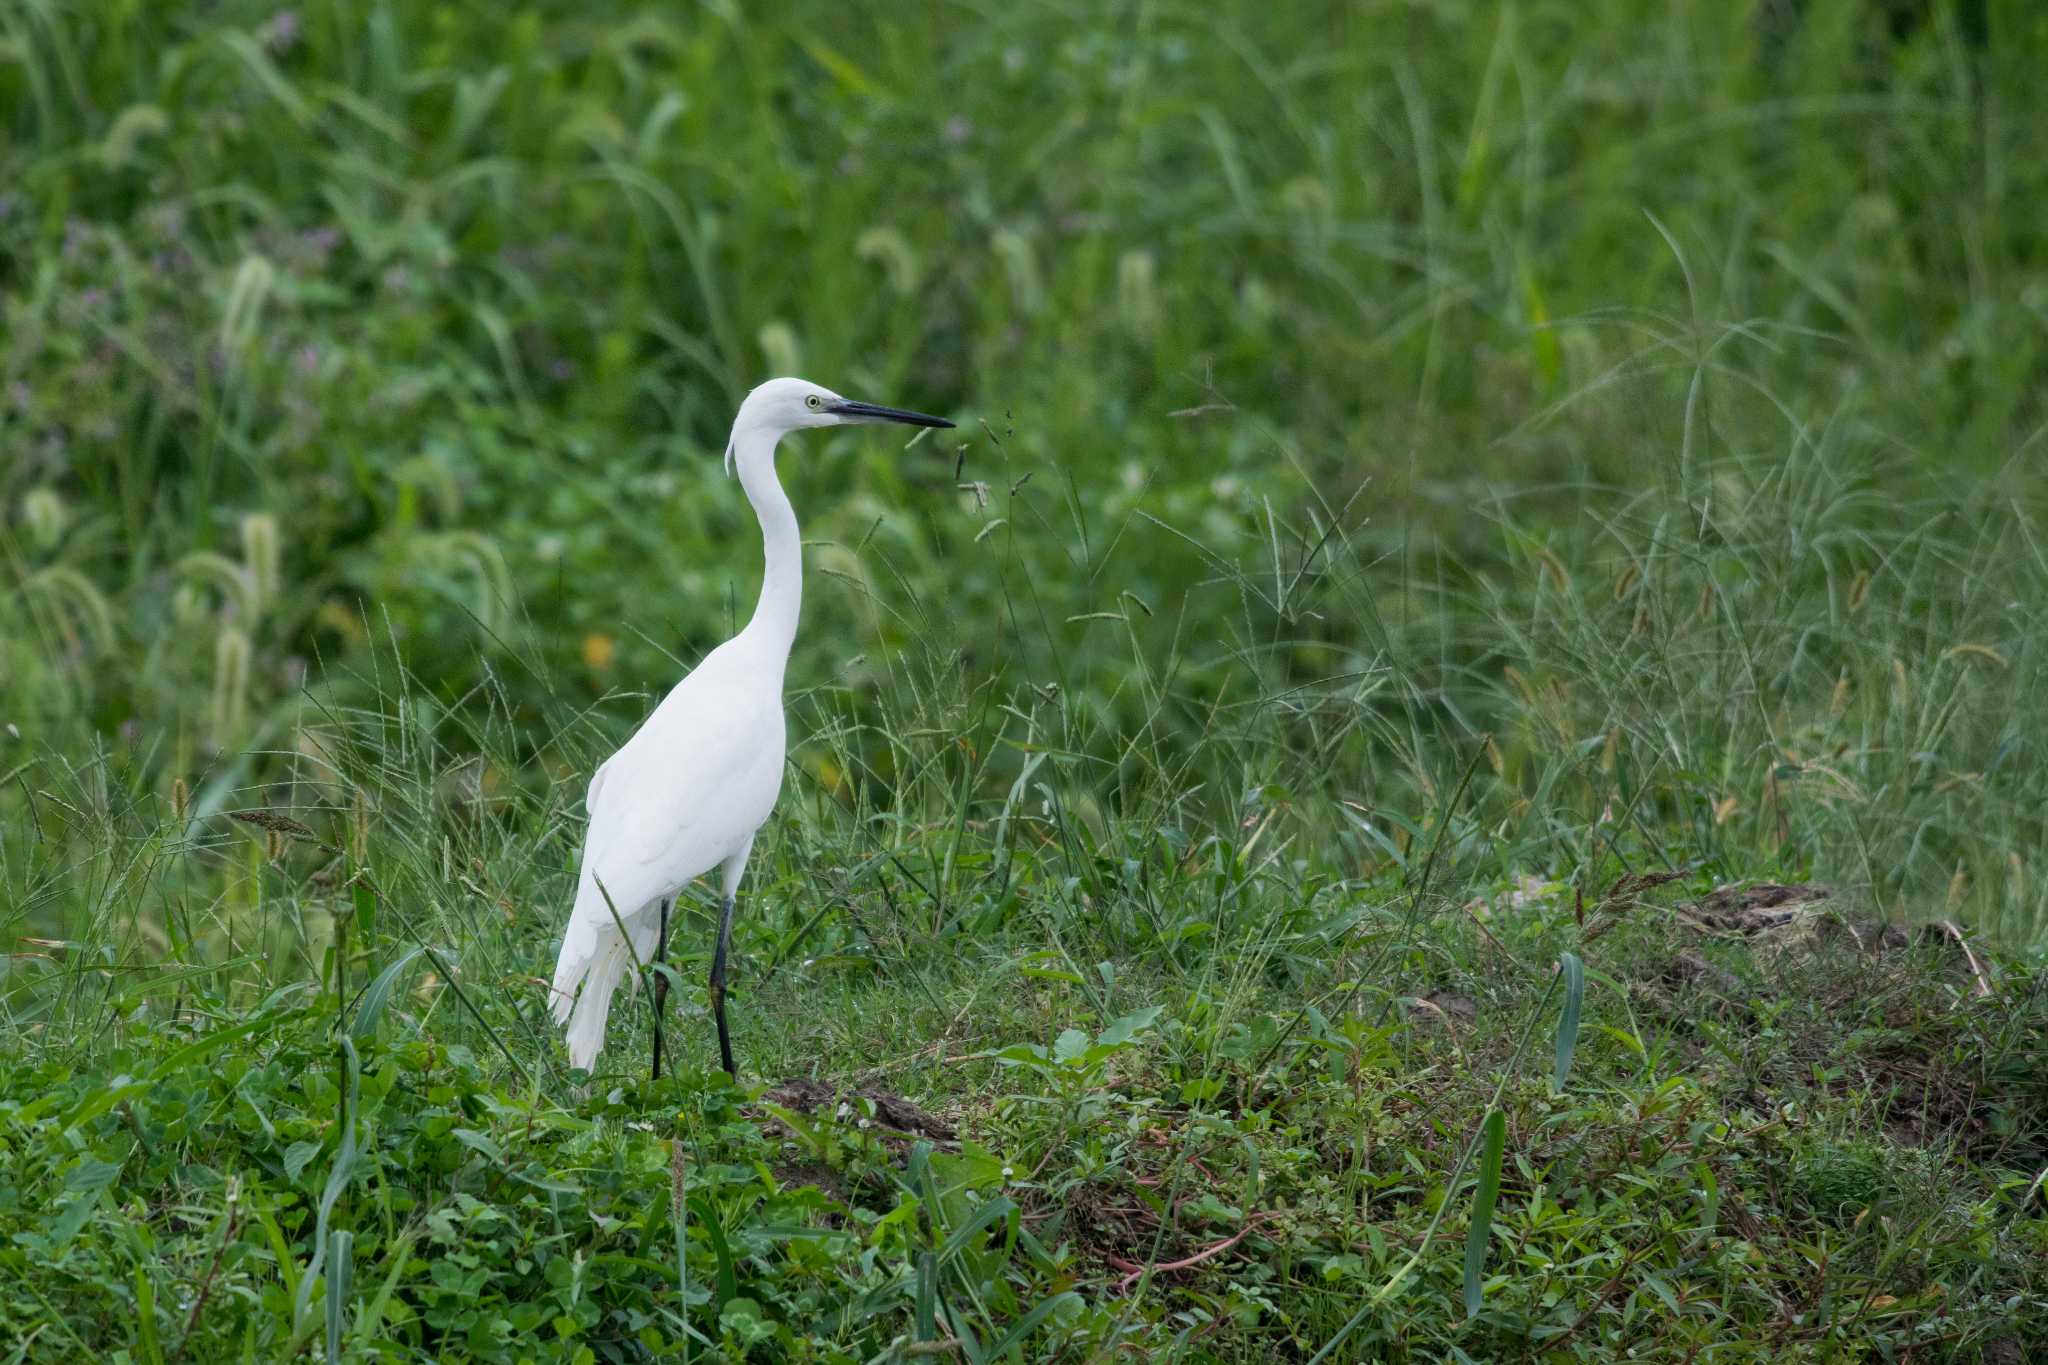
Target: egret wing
column 688, row 789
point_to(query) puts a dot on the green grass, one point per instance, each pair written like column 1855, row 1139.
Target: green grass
column 1436, row 496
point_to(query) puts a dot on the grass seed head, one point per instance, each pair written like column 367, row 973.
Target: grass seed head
column 261, row 556
column 1982, row 655
column 1020, row 268
column 46, row 517
column 780, row 349
column 359, row 827
column 897, row 257
column 231, row 655
column 1137, row 296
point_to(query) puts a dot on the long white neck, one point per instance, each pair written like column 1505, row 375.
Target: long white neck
column 773, row 627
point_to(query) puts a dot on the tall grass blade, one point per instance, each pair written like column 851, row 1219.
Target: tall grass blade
column 340, row 1273
column 1493, row 1140
column 378, row 994
column 1574, row 972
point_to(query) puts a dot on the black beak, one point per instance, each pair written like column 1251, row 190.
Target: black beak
column 875, row 412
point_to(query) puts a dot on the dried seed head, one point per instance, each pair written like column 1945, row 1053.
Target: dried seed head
column 136, row 123
column 1627, row 579
column 44, row 514
column 1137, row 300
column 1859, row 590
column 779, row 347
column 1309, row 199
column 1902, row 695
column 271, row 822
column 261, row 556
column 676, row 1183
column 1020, row 266
column 1977, row 654
column 188, row 605
column 1520, row 684
column 1779, row 831
column 1958, row 889
column 1493, row 757
column 181, row 799
column 82, row 607
column 359, row 827
column 237, row 587
column 1258, row 301
column 893, row 250
column 1706, row 608
column 231, row 652
column 273, row 846
column 242, row 317
column 1838, row 701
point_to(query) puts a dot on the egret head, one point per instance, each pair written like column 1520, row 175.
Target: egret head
column 785, row 405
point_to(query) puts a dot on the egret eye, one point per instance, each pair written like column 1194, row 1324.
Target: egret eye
column 814, row 402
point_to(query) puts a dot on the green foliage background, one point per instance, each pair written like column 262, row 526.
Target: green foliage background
column 464, row 304
column 1408, row 454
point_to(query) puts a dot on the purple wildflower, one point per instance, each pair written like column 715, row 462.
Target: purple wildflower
column 281, row 34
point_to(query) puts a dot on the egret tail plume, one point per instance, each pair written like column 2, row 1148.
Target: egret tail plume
column 583, row 994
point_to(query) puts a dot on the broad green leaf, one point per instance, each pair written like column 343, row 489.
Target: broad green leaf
column 85, row 1186
column 479, row 1142
column 298, row 1156
column 1130, row 1026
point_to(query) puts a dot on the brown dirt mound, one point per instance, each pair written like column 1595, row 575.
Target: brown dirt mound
column 895, row 1116
column 1758, row 907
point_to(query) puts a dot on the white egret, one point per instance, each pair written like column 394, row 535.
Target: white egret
column 694, row 784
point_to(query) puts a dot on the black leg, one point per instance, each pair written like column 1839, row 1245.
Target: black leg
column 660, row 986
column 718, row 985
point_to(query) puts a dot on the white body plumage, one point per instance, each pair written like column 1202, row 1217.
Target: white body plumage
column 656, row 826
